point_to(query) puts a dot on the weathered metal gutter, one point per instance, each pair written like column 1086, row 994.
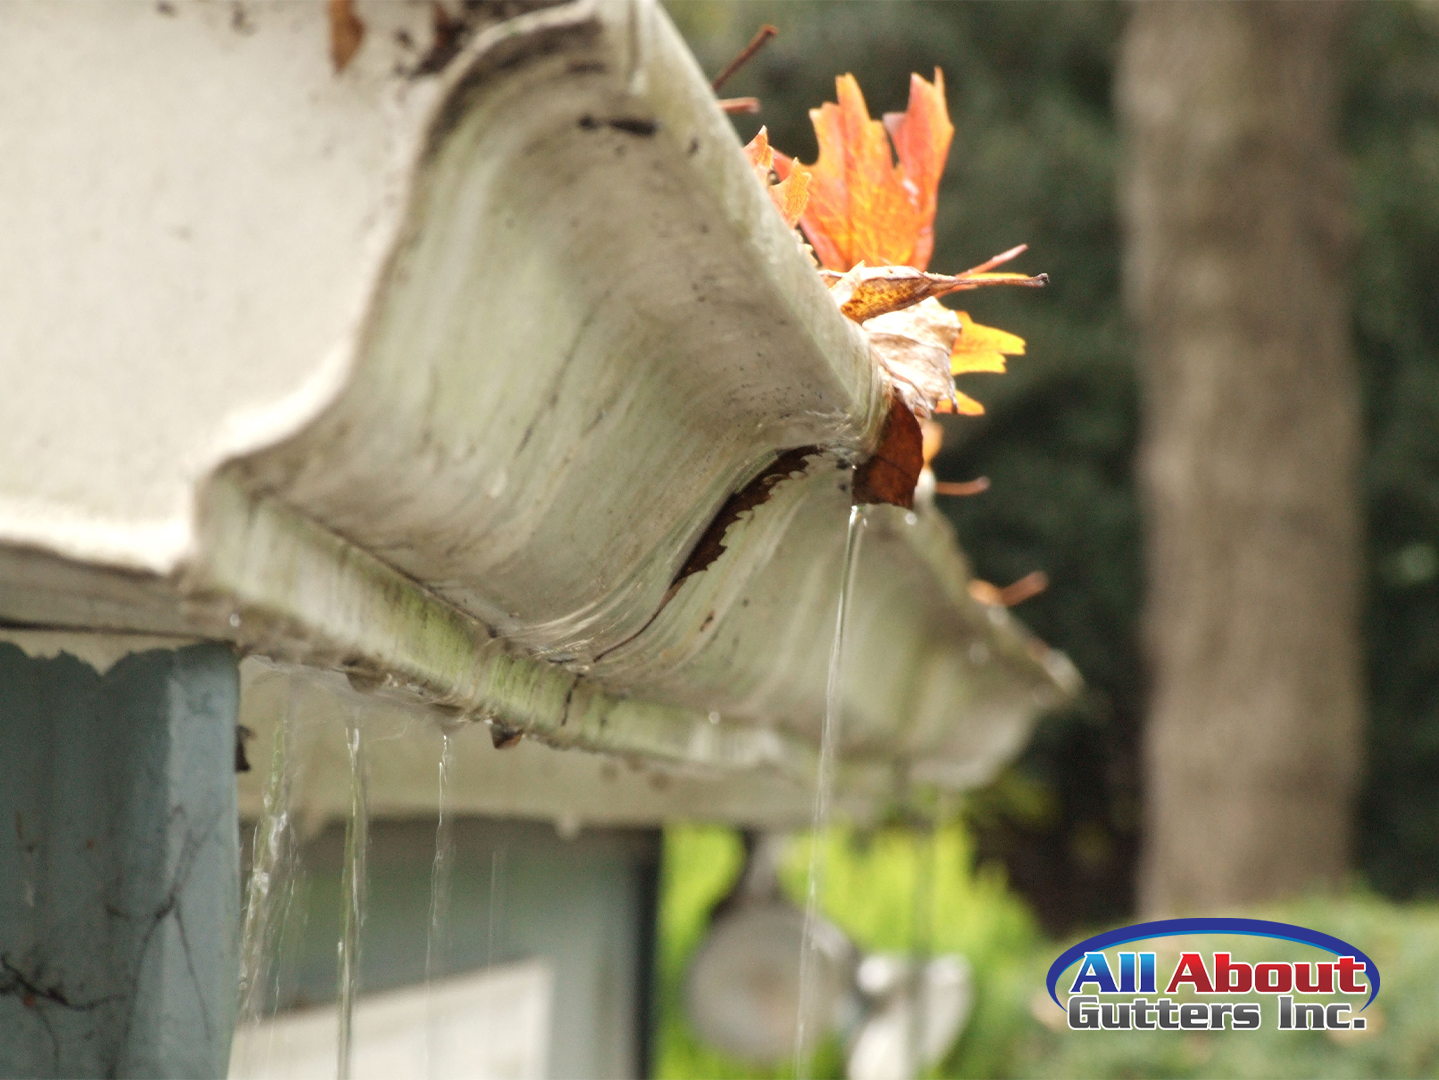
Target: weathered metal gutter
column 437, row 380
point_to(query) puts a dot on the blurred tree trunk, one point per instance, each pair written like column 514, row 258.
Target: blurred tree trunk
column 1236, row 257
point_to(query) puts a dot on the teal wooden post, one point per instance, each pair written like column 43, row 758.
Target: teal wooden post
column 119, row 863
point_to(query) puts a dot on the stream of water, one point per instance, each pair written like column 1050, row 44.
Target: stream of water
column 270, row 890
column 440, row 875
column 273, row 843
column 352, row 896
column 824, row 782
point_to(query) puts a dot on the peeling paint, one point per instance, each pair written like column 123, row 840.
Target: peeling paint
column 98, row 649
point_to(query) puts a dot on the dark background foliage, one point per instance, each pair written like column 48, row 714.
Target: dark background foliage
column 1392, row 128
column 1035, row 160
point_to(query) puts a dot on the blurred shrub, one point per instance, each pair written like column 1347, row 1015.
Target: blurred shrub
column 890, row 890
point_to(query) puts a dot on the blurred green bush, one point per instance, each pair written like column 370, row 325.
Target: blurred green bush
column 892, row 890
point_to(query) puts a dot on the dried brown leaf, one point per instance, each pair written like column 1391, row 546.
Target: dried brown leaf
column 912, row 347
column 891, row 474
column 868, row 291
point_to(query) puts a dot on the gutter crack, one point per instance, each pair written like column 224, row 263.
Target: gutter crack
column 710, row 546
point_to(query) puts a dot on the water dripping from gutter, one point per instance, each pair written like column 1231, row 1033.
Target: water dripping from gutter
column 352, row 895
column 824, row 783
column 270, row 891
column 440, row 875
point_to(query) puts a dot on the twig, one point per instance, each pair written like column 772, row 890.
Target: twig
column 1032, row 584
column 968, row 487
column 999, row 259
column 764, row 33
column 970, row 280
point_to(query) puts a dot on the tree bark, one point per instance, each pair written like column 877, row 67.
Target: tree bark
column 1236, row 276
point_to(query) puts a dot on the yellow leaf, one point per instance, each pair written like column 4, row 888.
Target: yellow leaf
column 982, row 348
column 962, row 404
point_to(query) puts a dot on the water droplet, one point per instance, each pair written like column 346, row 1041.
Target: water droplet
column 234, row 620
column 499, row 480
column 714, row 718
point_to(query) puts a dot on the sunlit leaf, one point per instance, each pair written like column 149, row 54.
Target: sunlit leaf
column 921, row 136
column 867, row 207
column 864, row 207
column 962, row 404
column 791, row 193
column 982, row 348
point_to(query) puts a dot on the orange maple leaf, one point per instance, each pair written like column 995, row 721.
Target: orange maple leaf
column 862, row 206
column 791, row 193
column 867, row 207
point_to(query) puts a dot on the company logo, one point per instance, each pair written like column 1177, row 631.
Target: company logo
column 1108, row 991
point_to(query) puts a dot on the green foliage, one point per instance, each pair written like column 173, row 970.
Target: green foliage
column 892, row 890
column 1392, row 123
